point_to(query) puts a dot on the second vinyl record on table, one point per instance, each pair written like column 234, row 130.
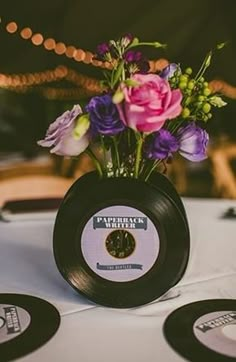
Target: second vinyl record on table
column 26, row 323
column 204, row 330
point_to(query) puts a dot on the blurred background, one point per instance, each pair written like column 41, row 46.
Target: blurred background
column 46, row 66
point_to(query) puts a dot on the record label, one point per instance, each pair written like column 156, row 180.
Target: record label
column 14, row 320
column 120, row 243
column 217, row 331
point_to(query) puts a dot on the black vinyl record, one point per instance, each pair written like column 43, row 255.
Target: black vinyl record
column 95, row 214
column 204, row 330
column 26, row 323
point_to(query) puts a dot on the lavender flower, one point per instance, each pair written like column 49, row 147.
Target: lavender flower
column 190, row 141
column 193, row 142
column 168, row 71
column 104, row 116
column 60, row 134
column 162, row 145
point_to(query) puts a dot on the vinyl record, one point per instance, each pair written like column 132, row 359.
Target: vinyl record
column 96, row 216
column 26, row 323
column 204, row 330
column 161, row 182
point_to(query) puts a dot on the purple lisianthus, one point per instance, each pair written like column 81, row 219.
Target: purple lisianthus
column 193, row 142
column 60, row 135
column 161, row 145
column 136, row 60
column 104, row 116
column 168, row 71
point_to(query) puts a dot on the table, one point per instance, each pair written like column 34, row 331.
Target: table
column 89, row 332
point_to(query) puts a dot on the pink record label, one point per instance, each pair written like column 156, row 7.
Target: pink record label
column 13, row 321
column 120, row 243
column 217, row 331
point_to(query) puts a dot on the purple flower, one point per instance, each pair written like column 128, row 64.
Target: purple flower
column 162, row 145
column 136, row 59
column 103, row 49
column 193, row 142
column 131, row 56
column 168, row 71
column 126, row 39
column 104, row 116
column 60, row 135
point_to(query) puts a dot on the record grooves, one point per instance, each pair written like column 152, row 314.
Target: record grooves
column 197, row 330
column 28, row 323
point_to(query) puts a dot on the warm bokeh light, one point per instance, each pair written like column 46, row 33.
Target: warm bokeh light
column 61, row 71
column 161, row 64
column 60, row 48
column 152, row 66
column 88, row 57
column 83, row 85
column 96, row 62
column 11, row 27
column 79, row 55
column 26, row 33
column 37, row 39
column 70, row 51
column 49, row 44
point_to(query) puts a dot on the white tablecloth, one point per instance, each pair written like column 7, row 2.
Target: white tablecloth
column 89, row 332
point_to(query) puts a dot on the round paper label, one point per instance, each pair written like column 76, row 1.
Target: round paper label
column 213, row 330
column 120, row 243
column 13, row 321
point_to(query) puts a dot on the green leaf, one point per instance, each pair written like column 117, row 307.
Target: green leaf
column 217, row 101
column 117, row 74
column 221, row 45
column 103, row 83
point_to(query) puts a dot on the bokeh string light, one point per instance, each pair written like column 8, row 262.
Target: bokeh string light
column 70, row 51
column 50, row 44
column 86, row 86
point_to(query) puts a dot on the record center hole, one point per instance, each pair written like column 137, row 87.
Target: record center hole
column 230, row 331
column 120, row 244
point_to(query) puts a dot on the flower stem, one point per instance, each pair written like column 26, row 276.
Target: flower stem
column 95, row 161
column 104, row 154
column 154, row 44
column 138, row 155
column 204, row 66
column 151, row 169
column 117, row 156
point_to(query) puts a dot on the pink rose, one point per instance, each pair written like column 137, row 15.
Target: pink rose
column 148, row 105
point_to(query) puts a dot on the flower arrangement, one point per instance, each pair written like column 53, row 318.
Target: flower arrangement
column 141, row 119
